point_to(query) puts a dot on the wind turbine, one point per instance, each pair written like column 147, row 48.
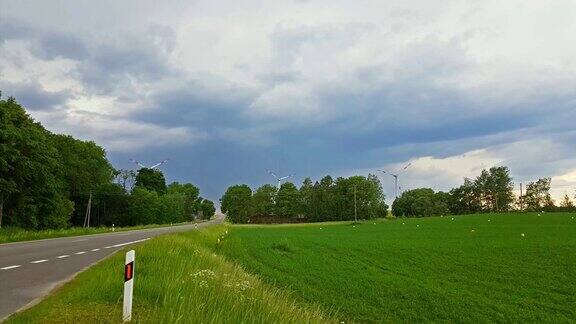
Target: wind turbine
column 152, row 167
column 280, row 179
column 395, row 175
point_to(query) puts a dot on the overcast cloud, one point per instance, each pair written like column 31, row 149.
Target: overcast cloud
column 229, row 89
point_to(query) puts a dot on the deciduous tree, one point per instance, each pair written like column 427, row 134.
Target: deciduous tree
column 151, row 179
column 236, row 203
column 537, row 194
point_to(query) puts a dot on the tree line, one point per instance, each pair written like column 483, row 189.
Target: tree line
column 325, row 200
column 46, row 181
column 491, row 191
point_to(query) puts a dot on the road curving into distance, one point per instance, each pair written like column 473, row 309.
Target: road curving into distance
column 30, row 270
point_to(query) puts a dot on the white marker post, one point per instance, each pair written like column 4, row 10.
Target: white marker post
column 128, row 286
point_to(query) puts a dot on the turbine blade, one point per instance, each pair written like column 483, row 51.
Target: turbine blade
column 274, row 175
column 138, row 163
column 158, row 164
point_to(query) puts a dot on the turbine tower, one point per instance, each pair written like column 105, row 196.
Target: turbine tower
column 152, row 167
column 279, row 179
column 395, row 175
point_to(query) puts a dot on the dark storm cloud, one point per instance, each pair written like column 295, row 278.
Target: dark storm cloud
column 52, row 45
column 195, row 105
column 33, row 96
column 120, row 66
column 106, row 65
column 11, row 29
column 46, row 45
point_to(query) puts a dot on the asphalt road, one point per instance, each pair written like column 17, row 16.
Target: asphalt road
column 30, row 270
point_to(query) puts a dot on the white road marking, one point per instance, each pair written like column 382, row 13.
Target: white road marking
column 39, row 261
column 11, row 267
column 94, row 250
column 62, row 256
column 81, row 252
column 122, row 244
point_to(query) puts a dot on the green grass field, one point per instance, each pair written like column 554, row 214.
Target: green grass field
column 476, row 268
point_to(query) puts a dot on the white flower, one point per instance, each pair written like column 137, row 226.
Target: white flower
column 205, row 274
column 244, row 285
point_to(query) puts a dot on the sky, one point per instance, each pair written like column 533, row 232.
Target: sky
column 229, row 89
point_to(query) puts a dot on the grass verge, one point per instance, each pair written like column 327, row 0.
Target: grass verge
column 13, row 234
column 178, row 279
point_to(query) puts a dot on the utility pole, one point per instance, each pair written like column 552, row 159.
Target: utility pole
column 355, row 213
column 88, row 209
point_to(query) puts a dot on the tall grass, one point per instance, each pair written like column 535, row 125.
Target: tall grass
column 178, row 279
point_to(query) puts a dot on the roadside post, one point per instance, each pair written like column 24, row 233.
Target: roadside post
column 128, row 286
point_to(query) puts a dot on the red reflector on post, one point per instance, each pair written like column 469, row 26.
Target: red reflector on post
column 128, row 271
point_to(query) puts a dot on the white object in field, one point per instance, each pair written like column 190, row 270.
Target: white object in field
column 522, row 234
column 112, row 227
column 452, row 218
column 128, row 286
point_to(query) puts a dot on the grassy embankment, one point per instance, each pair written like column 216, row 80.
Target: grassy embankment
column 477, row 268
column 178, row 278
column 12, row 234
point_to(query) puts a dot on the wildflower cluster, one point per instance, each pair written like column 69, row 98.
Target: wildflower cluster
column 203, row 277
